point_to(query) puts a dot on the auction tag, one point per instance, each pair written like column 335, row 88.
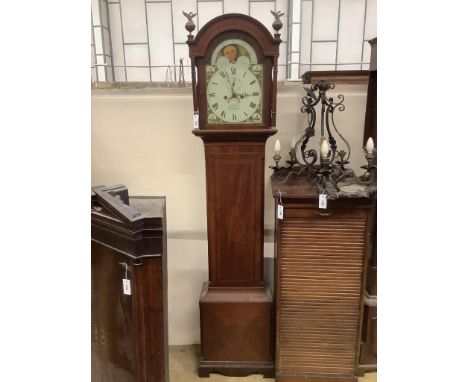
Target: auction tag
column 280, row 212
column 323, row 201
column 127, row 288
column 195, row 120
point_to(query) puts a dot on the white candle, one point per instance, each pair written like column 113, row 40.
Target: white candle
column 293, row 142
column 277, row 146
column 324, row 149
column 370, row 145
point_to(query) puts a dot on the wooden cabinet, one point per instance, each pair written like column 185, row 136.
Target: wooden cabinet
column 321, row 261
column 129, row 331
column 368, row 358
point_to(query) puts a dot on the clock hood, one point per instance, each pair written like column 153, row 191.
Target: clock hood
column 234, row 22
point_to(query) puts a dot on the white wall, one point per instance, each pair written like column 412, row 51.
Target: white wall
column 142, row 138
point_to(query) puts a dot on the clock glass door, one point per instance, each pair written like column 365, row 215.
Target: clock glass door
column 234, row 84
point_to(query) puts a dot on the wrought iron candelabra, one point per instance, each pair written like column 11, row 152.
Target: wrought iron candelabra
column 327, row 169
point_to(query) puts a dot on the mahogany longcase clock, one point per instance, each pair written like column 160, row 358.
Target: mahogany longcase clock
column 234, row 66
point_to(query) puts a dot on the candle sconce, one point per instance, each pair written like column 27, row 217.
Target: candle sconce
column 370, row 176
column 327, row 168
column 276, row 158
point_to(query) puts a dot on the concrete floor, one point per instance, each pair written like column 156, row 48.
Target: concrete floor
column 183, row 368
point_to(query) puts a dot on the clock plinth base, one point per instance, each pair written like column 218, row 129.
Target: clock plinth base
column 236, row 331
column 236, row 369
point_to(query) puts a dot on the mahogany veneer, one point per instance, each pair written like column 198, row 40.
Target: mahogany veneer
column 236, row 313
column 236, row 307
column 129, row 332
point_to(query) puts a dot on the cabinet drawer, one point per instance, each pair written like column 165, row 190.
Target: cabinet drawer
column 316, row 213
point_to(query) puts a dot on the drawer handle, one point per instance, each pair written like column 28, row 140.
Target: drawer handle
column 324, row 214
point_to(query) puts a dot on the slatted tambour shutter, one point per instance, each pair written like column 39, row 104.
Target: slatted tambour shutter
column 320, row 272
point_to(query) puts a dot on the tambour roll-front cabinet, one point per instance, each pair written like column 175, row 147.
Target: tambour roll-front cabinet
column 321, row 260
column 129, row 327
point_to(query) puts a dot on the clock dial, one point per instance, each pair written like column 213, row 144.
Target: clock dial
column 234, row 86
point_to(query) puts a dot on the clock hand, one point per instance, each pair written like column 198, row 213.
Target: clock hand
column 233, row 93
column 229, row 83
column 232, row 86
column 227, row 79
column 242, row 95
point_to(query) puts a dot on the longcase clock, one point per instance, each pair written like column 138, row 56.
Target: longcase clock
column 234, row 66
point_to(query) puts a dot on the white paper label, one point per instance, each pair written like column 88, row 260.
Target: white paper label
column 195, row 121
column 127, row 288
column 280, row 211
column 323, row 201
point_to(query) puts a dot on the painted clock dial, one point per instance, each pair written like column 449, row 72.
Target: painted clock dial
column 234, row 86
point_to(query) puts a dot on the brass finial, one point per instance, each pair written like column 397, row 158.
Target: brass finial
column 190, row 25
column 277, row 24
